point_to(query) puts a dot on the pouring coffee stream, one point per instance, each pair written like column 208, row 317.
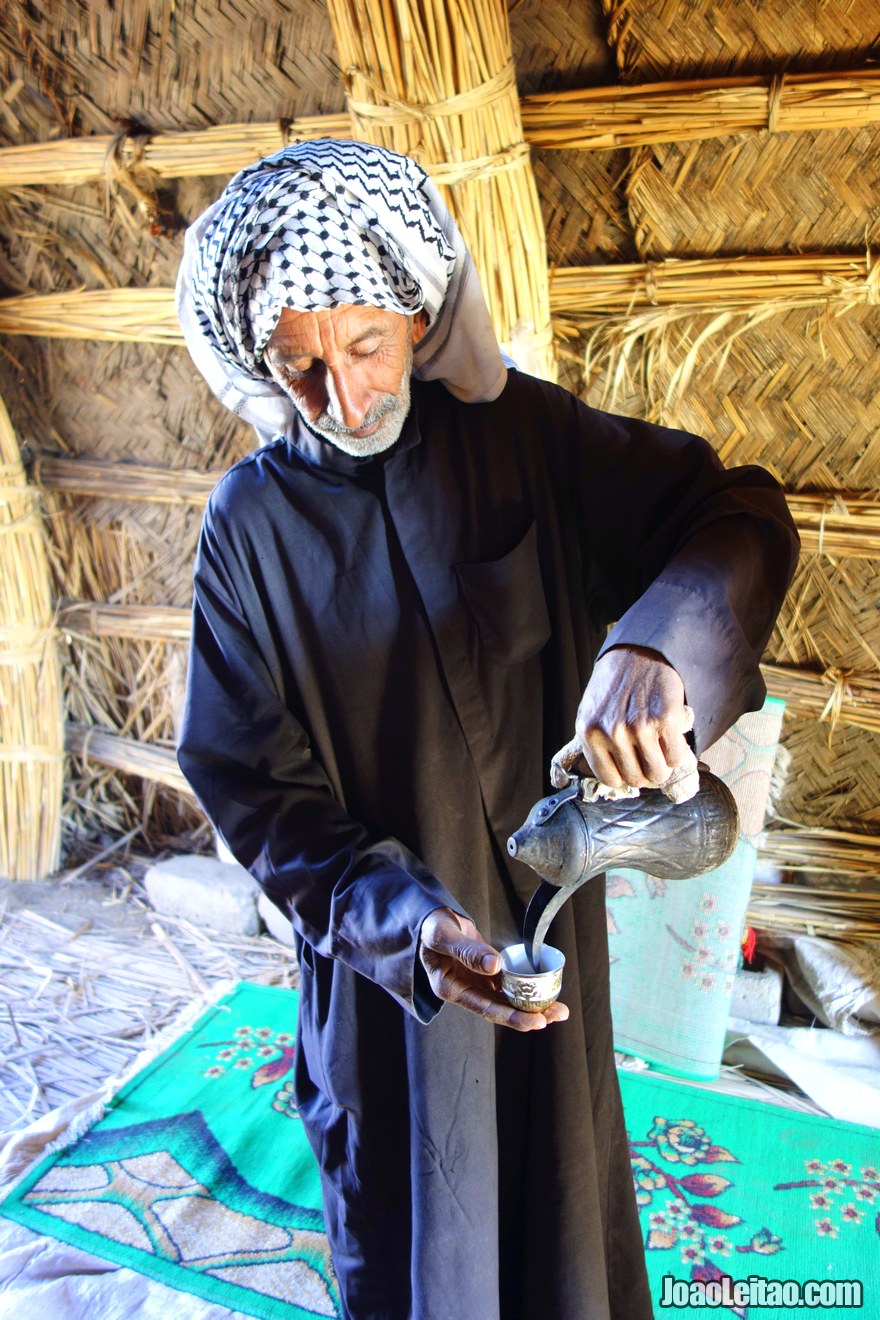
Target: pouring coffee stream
column 568, row 841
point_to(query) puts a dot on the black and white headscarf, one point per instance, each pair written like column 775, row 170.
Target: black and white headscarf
column 320, row 225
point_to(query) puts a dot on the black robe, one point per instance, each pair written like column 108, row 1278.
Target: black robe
column 385, row 654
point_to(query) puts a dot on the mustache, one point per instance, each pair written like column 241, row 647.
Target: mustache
column 388, row 403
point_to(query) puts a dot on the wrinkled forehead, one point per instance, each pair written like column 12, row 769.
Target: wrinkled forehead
column 346, row 331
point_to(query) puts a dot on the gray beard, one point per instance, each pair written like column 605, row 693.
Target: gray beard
column 390, row 411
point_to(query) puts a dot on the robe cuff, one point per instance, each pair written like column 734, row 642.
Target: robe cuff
column 380, row 939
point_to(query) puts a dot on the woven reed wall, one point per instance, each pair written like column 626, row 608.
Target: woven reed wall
column 794, row 391
column 66, row 68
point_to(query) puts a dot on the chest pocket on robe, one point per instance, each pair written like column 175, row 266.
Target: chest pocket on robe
column 506, row 599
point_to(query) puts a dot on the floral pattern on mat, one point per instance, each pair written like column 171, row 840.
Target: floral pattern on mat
column 688, row 1216
column 725, row 1185
column 273, row 1053
column 840, row 1198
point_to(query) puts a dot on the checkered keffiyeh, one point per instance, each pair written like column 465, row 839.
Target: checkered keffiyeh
column 320, row 225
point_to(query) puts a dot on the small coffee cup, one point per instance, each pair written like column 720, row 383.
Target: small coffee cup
column 529, row 990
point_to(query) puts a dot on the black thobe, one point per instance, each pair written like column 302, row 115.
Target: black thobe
column 385, row 654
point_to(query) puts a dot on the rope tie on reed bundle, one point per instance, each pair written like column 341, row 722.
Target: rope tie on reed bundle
column 872, row 279
column 839, row 680
column 23, row 644
column 125, row 169
column 22, row 520
column 463, row 171
column 774, row 102
column 14, row 485
column 651, row 282
column 27, row 755
column 396, row 111
column 831, row 505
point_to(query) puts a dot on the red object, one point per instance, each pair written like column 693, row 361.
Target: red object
column 749, row 940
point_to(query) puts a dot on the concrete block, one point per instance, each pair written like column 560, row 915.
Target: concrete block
column 757, row 996
column 221, row 896
column 278, row 926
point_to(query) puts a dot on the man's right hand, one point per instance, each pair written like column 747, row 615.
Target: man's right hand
column 463, row 969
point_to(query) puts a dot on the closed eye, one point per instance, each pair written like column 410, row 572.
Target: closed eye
column 299, row 373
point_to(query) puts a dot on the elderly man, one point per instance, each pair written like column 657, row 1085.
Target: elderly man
column 399, row 601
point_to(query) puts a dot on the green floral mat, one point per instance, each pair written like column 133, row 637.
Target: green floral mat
column 735, row 1187
column 199, row 1175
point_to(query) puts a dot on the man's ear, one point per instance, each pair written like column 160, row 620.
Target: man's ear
column 419, row 327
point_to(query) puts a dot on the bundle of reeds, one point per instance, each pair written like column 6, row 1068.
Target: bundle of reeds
column 714, row 284
column 838, row 522
column 157, row 623
column 637, row 296
column 835, row 695
column 840, row 852
column 128, row 755
column 845, row 524
column 436, row 81
column 105, row 479
column 833, row 914
column 130, row 315
column 588, row 119
column 599, row 118
column 31, row 716
column 221, row 149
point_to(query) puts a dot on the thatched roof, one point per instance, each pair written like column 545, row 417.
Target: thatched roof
column 784, row 380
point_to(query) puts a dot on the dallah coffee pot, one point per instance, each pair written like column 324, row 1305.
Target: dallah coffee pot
column 568, row 841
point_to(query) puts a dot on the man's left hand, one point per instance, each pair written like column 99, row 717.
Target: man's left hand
column 463, row 969
column 632, row 721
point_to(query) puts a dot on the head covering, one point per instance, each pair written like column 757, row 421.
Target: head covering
column 319, row 225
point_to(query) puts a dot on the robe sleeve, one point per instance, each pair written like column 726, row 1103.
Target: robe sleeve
column 248, row 760
column 690, row 558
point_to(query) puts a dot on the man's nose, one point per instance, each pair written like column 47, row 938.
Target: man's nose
column 347, row 402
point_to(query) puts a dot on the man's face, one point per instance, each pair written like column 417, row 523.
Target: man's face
column 347, row 371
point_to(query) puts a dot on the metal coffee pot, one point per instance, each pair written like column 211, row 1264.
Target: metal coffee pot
column 568, row 841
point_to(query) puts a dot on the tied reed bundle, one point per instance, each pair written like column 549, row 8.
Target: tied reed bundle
column 160, row 623
column 803, row 848
column 131, row 315
column 436, row 81
column 128, row 755
column 715, row 284
column 591, row 119
column 834, row 914
column 623, row 302
column 31, row 715
column 837, row 696
column 600, row 118
column 837, row 522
